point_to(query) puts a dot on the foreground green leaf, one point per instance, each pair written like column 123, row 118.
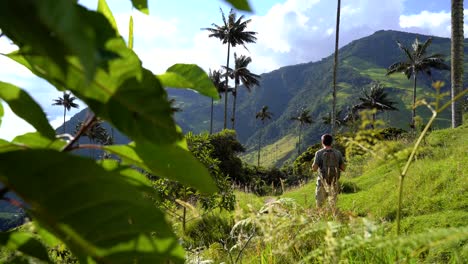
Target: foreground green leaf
column 104, row 9
column 167, row 161
column 189, row 76
column 1, row 113
column 125, row 94
column 240, row 4
column 94, row 211
column 37, row 141
column 56, row 29
column 130, row 33
column 25, row 107
column 141, row 5
column 24, row 243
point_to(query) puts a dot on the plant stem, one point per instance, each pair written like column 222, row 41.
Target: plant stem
column 226, row 87
column 83, row 129
column 408, row 163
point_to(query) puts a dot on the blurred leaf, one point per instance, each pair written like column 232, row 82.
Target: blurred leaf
column 24, row 243
column 57, row 29
column 189, row 76
column 37, row 141
column 240, row 4
column 1, row 112
column 94, row 211
column 6, row 146
column 25, row 107
column 132, row 176
column 130, row 33
column 141, row 5
column 126, row 95
column 104, row 9
column 167, row 161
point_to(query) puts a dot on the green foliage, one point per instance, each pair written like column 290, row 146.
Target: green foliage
column 59, row 30
column 118, row 206
column 171, row 161
column 226, row 147
column 103, row 212
column 189, row 76
column 25, row 107
column 170, row 191
column 303, row 163
column 24, row 243
column 141, row 5
column 240, row 4
column 207, row 230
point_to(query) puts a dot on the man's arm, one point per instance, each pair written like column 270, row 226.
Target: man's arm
column 342, row 163
column 315, row 165
column 343, row 167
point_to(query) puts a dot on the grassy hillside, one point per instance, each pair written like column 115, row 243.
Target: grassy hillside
column 435, row 189
column 289, row 229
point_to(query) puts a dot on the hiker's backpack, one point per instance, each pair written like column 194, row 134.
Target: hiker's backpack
column 331, row 166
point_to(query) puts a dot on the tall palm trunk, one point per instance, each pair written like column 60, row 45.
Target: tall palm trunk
column 457, row 60
column 233, row 118
column 226, row 88
column 413, row 115
column 335, row 66
column 259, row 147
column 211, row 117
column 299, row 143
column 64, row 114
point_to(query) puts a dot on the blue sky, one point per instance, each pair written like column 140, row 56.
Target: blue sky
column 289, row 32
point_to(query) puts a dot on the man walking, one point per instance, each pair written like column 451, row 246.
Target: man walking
column 329, row 162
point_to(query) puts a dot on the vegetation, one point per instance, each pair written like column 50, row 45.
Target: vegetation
column 78, row 49
column 303, row 119
column 240, row 73
column 376, row 99
column 284, row 229
column 67, row 102
column 263, row 115
column 215, row 77
column 416, row 62
column 167, row 197
column 232, row 32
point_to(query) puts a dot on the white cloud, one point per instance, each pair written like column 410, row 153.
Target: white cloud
column 433, row 23
column 12, row 125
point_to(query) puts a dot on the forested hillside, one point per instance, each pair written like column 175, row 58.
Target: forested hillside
column 289, row 89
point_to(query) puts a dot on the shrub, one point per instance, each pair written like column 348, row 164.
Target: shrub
column 207, row 230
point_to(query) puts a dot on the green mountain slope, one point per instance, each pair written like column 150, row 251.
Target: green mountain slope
column 290, row 88
column 308, row 85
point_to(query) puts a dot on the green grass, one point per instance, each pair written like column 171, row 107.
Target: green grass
column 435, row 211
column 273, row 153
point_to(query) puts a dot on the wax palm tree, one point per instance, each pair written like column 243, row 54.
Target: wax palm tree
column 417, row 61
column 240, row 73
column 376, row 98
column 232, row 32
column 303, row 118
column 335, row 66
column 457, row 61
column 215, row 77
column 96, row 133
column 263, row 115
column 327, row 119
column 67, row 102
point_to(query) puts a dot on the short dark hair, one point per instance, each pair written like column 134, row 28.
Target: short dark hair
column 327, row 139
